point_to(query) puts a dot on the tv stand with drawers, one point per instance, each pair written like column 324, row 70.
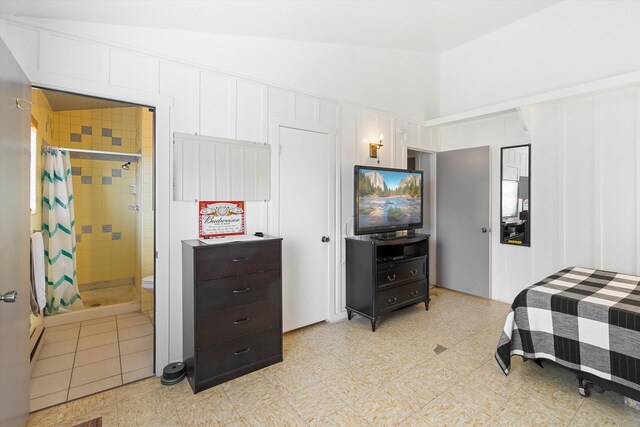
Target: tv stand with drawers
column 385, row 275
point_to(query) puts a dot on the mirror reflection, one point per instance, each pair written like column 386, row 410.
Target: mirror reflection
column 515, row 163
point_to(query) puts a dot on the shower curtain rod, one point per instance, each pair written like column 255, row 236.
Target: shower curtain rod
column 79, row 153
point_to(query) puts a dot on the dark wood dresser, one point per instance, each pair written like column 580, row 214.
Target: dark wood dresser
column 231, row 309
column 384, row 275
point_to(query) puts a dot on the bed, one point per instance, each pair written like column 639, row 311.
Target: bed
column 587, row 321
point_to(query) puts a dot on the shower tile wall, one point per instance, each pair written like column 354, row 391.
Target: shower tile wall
column 107, row 228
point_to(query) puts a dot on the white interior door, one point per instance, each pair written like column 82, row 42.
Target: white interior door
column 304, row 217
column 14, row 240
column 462, row 220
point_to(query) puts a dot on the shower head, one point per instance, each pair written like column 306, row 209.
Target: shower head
column 126, row 166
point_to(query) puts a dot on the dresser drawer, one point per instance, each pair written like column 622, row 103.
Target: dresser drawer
column 214, row 295
column 391, row 298
column 399, row 272
column 236, row 259
column 235, row 322
column 235, row 354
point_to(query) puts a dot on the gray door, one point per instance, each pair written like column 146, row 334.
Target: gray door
column 14, row 240
column 463, row 242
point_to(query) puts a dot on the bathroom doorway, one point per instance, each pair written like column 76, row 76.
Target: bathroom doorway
column 98, row 331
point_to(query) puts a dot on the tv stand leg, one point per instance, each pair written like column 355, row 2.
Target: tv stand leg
column 426, row 304
column 349, row 314
column 373, row 325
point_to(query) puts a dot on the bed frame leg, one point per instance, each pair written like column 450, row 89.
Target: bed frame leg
column 583, row 387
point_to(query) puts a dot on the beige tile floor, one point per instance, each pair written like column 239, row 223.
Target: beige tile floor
column 79, row 359
column 342, row 374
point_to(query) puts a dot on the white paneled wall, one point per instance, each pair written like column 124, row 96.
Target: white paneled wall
column 217, row 105
column 92, row 69
column 193, row 99
column 133, row 71
column 182, row 84
column 584, row 180
column 251, row 111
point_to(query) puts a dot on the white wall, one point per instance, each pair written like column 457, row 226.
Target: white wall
column 190, row 99
column 401, row 82
column 569, row 43
column 585, row 196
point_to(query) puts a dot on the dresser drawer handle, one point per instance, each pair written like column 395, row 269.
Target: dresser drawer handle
column 243, row 351
column 414, row 293
column 391, row 278
column 239, row 321
column 392, row 301
column 241, row 291
column 241, row 259
column 413, row 272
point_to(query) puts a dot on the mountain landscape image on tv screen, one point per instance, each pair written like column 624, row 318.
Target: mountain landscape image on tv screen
column 389, row 198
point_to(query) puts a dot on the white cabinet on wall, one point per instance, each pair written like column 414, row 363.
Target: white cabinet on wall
column 210, row 168
column 232, row 108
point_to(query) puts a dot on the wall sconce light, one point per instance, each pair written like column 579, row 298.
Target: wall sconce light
column 373, row 149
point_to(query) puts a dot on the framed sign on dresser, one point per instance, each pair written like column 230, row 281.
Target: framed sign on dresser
column 232, row 308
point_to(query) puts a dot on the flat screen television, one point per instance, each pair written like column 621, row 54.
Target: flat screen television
column 386, row 200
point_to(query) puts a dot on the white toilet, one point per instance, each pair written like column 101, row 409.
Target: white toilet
column 147, row 283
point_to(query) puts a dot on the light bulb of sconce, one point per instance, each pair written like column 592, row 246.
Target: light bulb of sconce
column 380, row 140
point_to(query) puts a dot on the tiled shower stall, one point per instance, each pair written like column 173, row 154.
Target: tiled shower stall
column 113, row 205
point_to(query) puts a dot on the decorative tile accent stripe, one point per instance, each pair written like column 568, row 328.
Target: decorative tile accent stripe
column 87, row 130
column 76, row 170
column 78, row 237
column 116, row 235
column 85, row 180
column 106, row 180
column 75, row 137
column 116, row 173
column 86, row 229
column 106, row 132
column 116, row 140
column 106, row 228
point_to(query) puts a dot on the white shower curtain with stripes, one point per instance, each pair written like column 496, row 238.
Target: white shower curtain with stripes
column 59, row 231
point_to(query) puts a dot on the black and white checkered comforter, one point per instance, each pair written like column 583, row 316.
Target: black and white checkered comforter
column 587, row 320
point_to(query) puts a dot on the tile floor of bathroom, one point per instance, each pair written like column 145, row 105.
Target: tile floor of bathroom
column 83, row 358
column 342, row 374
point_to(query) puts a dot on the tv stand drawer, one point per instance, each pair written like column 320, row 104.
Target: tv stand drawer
column 396, row 273
column 391, row 298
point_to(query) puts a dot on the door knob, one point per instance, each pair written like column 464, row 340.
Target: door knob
column 10, row 296
column 483, row 229
column 325, row 239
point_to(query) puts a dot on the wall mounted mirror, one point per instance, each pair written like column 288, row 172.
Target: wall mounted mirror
column 515, row 203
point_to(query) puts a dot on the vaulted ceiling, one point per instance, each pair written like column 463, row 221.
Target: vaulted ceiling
column 433, row 26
